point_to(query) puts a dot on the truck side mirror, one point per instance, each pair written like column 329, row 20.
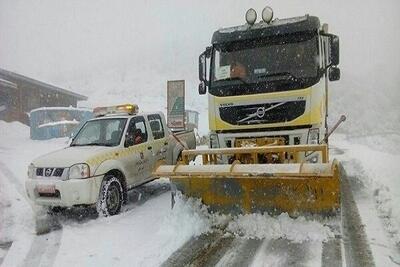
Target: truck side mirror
column 203, row 65
column 334, row 50
column 334, row 74
column 202, row 88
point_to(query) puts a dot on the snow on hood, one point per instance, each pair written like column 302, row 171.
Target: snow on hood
column 68, row 156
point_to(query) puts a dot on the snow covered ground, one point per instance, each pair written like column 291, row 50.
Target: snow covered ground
column 148, row 231
column 372, row 162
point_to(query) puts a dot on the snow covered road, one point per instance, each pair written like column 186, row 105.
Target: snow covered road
column 149, row 233
column 347, row 247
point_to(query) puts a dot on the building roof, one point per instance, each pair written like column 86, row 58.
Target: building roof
column 14, row 78
column 8, row 84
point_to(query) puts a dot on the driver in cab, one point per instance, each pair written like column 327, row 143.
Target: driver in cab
column 237, row 67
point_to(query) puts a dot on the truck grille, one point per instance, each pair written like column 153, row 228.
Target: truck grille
column 48, row 172
column 263, row 113
column 39, row 172
column 58, row 172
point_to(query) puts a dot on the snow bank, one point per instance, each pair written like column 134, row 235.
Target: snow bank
column 143, row 236
column 16, row 214
column 264, row 226
column 187, row 218
column 375, row 161
column 191, row 217
column 12, row 132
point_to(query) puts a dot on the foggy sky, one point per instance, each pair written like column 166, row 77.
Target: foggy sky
column 59, row 40
column 73, row 43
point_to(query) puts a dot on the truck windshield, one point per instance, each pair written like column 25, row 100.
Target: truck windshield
column 102, row 132
column 259, row 66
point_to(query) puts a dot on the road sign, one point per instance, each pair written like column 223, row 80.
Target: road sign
column 176, row 104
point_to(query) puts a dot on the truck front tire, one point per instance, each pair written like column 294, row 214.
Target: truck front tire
column 111, row 196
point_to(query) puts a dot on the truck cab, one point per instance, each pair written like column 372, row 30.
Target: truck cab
column 269, row 80
column 112, row 153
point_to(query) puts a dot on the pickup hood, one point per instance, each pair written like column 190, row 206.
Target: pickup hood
column 69, row 156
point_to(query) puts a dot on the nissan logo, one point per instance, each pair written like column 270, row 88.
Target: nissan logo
column 260, row 112
column 48, row 172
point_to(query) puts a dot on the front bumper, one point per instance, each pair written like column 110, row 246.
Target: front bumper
column 294, row 137
column 68, row 192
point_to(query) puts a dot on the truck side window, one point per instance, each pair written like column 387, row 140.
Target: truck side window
column 137, row 130
column 156, row 126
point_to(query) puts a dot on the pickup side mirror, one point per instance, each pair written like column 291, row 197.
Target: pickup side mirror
column 334, row 50
column 334, row 74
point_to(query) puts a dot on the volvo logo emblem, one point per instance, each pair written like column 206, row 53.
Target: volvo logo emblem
column 48, row 172
column 260, row 112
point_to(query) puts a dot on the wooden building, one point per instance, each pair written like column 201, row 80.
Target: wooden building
column 20, row 94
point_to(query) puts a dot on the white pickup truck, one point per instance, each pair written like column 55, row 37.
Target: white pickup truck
column 112, row 153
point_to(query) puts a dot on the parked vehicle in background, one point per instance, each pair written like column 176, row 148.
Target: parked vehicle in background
column 112, row 153
column 54, row 122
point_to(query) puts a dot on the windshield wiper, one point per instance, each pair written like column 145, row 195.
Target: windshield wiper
column 233, row 79
column 283, row 75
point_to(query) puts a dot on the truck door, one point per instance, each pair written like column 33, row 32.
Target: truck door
column 160, row 143
column 140, row 151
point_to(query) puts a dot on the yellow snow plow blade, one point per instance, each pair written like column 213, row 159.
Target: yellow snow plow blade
column 289, row 186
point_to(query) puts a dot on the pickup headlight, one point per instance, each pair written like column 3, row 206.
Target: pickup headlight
column 79, row 171
column 31, row 171
column 313, row 136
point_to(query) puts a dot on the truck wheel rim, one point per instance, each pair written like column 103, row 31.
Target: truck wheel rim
column 113, row 198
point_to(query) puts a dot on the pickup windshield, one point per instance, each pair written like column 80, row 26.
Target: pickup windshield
column 258, row 66
column 102, row 132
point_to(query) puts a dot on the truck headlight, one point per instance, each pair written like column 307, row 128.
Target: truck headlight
column 79, row 171
column 313, row 136
column 31, row 171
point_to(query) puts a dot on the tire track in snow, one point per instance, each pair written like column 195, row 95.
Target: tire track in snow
column 357, row 249
column 332, row 253
column 45, row 245
column 283, row 252
column 216, row 249
column 242, row 252
column 193, row 249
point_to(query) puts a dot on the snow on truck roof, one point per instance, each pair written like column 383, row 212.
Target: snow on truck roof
column 262, row 29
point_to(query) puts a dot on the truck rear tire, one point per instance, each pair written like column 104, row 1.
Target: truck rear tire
column 111, row 196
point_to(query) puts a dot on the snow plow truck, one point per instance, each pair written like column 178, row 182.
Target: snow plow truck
column 267, row 86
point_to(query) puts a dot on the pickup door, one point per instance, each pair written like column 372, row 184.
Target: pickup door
column 159, row 133
column 140, row 161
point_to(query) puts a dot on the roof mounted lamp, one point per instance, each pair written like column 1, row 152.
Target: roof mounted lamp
column 251, row 16
column 267, row 14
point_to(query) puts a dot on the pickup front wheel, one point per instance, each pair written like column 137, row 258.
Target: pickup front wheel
column 111, row 196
